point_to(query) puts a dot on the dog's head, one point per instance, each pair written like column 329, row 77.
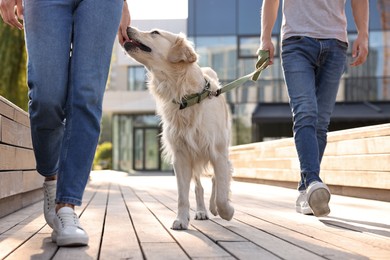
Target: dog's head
column 157, row 49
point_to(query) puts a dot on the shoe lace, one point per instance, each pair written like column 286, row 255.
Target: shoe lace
column 69, row 219
column 50, row 196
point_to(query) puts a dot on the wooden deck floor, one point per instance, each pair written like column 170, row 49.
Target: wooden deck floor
column 129, row 217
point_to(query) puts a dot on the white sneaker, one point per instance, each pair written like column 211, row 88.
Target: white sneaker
column 318, row 196
column 301, row 205
column 67, row 230
column 49, row 201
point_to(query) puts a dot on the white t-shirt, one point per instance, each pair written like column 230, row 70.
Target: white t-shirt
column 322, row 19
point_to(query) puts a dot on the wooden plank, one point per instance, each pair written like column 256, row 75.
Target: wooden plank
column 15, row 158
column 22, row 117
column 38, row 247
column 119, row 238
column 7, row 158
column 378, row 162
column 18, row 182
column 7, row 108
column 13, row 203
column 343, row 239
column 15, row 218
column 31, row 180
column 265, row 244
column 300, row 239
column 13, row 112
column 247, row 251
column 20, row 233
column 284, row 249
column 267, row 163
column 351, row 178
column 222, row 234
column 25, row 159
column 357, row 178
column 360, row 132
column 372, row 162
column 47, row 248
column 258, row 194
column 262, row 245
column 358, row 158
column 166, row 237
column 91, row 219
column 325, row 248
column 164, row 251
column 14, row 133
column 265, row 226
column 149, row 229
column 156, row 242
column 10, row 183
column 194, row 243
column 291, row 175
column 368, row 145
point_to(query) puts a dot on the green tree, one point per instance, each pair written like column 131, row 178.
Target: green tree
column 13, row 66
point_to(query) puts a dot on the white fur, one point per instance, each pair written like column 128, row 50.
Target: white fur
column 195, row 136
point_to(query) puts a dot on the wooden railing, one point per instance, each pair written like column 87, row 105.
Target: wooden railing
column 20, row 184
column 356, row 162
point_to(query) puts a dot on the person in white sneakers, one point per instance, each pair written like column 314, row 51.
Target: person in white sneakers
column 69, row 46
column 314, row 54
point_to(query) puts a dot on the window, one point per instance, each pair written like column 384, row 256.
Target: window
column 248, row 46
column 136, row 78
column 219, row 53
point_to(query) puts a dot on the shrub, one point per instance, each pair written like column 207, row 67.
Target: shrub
column 103, row 156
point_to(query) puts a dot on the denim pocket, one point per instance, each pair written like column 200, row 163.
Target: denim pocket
column 342, row 44
column 292, row 40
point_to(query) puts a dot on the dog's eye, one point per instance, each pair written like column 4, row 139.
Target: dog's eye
column 155, row 32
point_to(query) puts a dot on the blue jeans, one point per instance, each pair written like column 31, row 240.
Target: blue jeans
column 69, row 45
column 312, row 70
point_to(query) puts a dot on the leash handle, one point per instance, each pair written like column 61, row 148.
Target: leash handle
column 261, row 64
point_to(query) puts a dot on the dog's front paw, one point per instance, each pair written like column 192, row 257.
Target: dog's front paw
column 180, row 224
column 201, row 215
column 226, row 211
column 213, row 208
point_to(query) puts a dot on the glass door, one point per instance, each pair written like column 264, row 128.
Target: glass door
column 147, row 155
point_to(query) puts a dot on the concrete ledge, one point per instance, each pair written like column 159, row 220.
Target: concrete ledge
column 356, row 162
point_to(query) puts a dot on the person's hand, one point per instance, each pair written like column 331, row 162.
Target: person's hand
column 125, row 22
column 359, row 51
column 11, row 11
column 267, row 45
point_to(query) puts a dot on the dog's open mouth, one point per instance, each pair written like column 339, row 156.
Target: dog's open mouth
column 129, row 45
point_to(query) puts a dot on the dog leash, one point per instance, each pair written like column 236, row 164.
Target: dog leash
column 261, row 64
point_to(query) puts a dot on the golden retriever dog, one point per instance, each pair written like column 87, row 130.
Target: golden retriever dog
column 193, row 137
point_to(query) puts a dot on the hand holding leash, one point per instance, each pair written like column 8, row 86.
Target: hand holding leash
column 261, row 64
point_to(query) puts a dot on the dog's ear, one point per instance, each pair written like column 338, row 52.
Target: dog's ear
column 182, row 51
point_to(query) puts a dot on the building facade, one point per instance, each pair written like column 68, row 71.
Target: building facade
column 226, row 36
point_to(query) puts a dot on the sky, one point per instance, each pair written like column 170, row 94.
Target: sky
column 158, row 9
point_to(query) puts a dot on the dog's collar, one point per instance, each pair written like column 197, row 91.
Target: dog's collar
column 193, row 99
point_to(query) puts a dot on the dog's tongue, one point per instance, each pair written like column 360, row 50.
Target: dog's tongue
column 133, row 43
column 129, row 44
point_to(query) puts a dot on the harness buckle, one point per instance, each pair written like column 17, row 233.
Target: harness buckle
column 214, row 93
